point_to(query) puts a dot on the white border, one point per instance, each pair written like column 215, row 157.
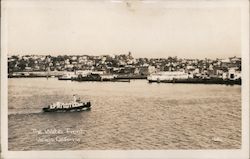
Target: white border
column 242, row 153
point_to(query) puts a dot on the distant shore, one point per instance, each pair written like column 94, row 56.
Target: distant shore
column 57, row 74
column 34, row 74
column 60, row 73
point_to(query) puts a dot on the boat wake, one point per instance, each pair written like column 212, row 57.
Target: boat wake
column 25, row 111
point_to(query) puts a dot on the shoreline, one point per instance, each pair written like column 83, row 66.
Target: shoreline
column 175, row 81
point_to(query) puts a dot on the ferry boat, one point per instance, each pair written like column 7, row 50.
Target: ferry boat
column 67, row 77
column 167, row 76
column 108, row 77
column 113, row 78
column 76, row 105
column 88, row 77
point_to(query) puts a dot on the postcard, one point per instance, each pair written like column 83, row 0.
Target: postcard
column 125, row 79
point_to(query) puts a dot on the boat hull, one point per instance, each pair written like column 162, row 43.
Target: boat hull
column 64, row 78
column 84, row 107
column 199, row 81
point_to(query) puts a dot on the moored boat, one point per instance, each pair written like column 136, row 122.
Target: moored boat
column 67, row 77
column 89, row 77
column 167, row 76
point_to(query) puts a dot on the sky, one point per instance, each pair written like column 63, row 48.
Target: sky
column 144, row 28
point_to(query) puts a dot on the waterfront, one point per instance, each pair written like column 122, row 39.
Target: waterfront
column 135, row 115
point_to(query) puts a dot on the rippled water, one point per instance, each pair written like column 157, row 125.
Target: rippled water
column 135, row 115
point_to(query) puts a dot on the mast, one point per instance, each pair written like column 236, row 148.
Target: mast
column 74, row 98
column 47, row 66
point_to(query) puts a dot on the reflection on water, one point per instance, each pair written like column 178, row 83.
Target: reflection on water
column 135, row 115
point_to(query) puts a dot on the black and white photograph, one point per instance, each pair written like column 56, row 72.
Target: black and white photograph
column 125, row 75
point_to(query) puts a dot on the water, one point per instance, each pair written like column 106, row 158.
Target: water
column 135, row 115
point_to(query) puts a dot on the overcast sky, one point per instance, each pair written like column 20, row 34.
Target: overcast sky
column 104, row 27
